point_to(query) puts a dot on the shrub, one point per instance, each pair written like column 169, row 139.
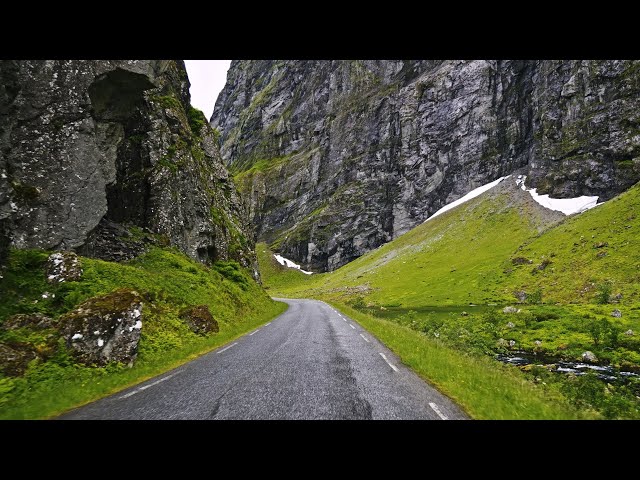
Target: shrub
column 535, row 297
column 603, row 294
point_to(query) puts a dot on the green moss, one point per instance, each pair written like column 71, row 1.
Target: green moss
column 25, row 193
column 197, row 120
column 136, row 139
column 168, row 101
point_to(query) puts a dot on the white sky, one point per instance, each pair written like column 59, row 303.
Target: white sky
column 207, row 78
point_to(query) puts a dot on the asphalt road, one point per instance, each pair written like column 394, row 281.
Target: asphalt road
column 308, row 363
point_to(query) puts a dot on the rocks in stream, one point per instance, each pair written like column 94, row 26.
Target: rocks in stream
column 105, row 329
column 589, row 357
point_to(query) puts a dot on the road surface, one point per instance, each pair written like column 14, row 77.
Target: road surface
column 311, row 362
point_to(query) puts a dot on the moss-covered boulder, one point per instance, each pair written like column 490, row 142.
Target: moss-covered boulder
column 105, row 329
column 33, row 321
column 63, row 267
column 15, row 358
column 200, row 320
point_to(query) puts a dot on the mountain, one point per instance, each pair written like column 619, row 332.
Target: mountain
column 92, row 149
column 336, row 158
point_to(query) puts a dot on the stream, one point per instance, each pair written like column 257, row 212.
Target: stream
column 604, row 372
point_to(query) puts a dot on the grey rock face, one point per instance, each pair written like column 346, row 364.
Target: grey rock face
column 337, row 157
column 92, row 143
column 589, row 357
column 105, row 329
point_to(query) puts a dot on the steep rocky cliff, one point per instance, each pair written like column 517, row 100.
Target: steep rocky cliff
column 90, row 149
column 338, row 157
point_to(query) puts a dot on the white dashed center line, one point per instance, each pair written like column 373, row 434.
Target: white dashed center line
column 395, row 369
column 227, row 348
column 437, row 410
column 344, row 319
column 138, row 390
column 255, row 331
column 365, row 338
column 352, row 326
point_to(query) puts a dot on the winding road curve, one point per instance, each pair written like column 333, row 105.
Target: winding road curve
column 311, row 362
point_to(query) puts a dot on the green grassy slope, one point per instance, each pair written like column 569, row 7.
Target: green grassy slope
column 595, row 247
column 168, row 282
column 449, row 279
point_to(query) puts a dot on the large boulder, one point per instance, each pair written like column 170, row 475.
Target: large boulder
column 63, row 267
column 105, row 329
column 200, row 320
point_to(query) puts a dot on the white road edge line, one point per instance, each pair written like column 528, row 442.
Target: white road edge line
column 365, row 338
column 255, row 331
column 395, row 369
column 267, row 324
column 138, row 390
column 437, row 410
column 352, row 326
column 227, row 348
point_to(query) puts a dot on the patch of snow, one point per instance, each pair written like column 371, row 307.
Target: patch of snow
column 568, row 206
column 97, row 332
column 288, row 263
column 45, row 295
column 77, row 336
column 100, row 342
column 469, row 196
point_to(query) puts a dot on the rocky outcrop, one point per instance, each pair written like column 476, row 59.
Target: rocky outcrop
column 337, row 157
column 104, row 329
column 86, row 145
column 200, row 320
